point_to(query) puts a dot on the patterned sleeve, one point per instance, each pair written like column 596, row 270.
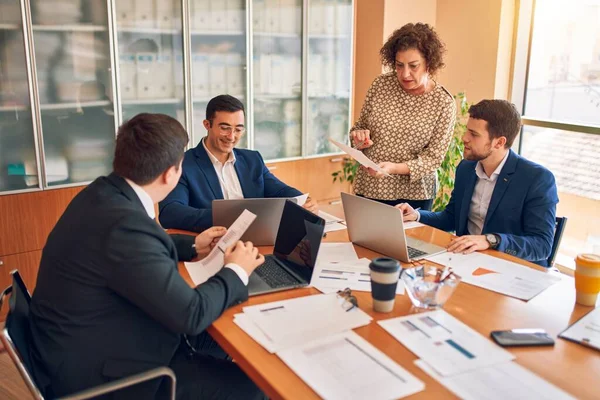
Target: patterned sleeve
column 433, row 154
column 363, row 120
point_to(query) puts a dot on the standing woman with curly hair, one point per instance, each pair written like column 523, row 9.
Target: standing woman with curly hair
column 406, row 121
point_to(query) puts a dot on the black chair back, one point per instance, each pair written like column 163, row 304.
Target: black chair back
column 16, row 335
column 559, row 228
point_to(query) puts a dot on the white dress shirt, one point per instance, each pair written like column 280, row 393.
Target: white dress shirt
column 149, row 207
column 482, row 194
column 228, row 179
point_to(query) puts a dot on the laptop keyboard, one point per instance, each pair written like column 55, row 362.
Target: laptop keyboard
column 274, row 275
column 415, row 253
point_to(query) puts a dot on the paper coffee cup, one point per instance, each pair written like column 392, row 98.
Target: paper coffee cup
column 384, row 279
column 587, row 278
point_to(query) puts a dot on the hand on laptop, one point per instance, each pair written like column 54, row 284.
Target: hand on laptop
column 311, row 205
column 245, row 255
column 208, row 239
column 408, row 213
column 468, row 244
column 361, row 139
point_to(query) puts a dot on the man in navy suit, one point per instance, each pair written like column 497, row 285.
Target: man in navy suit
column 500, row 200
column 215, row 169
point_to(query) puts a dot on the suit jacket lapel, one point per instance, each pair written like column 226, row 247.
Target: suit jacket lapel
column 501, row 185
column 208, row 169
column 466, row 202
column 243, row 173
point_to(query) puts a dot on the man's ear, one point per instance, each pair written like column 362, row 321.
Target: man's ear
column 171, row 174
column 500, row 142
column 206, row 124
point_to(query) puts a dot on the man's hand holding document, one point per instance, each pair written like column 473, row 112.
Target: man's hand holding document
column 359, row 156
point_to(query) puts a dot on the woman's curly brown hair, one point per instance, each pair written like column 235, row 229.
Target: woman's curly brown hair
column 414, row 36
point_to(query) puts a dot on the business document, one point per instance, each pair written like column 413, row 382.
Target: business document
column 586, row 331
column 445, row 343
column 201, row 271
column 497, row 275
column 498, row 382
column 346, row 366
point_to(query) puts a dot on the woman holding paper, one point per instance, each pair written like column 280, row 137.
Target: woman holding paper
column 406, row 121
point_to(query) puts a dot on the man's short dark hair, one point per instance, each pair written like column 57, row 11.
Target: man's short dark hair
column 223, row 102
column 501, row 116
column 147, row 145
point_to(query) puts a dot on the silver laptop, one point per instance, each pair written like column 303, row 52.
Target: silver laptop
column 293, row 260
column 263, row 230
column 379, row 227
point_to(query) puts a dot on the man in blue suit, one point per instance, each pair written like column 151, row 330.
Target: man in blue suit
column 500, row 200
column 215, row 169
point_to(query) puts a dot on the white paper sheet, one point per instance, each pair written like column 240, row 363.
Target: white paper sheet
column 412, row 224
column 359, row 156
column 346, row 366
column 246, row 324
column 201, row 271
column 497, row 275
column 586, row 331
column 498, row 382
column 300, row 200
column 332, row 223
column 306, row 318
column 445, row 343
column 329, row 277
column 334, row 253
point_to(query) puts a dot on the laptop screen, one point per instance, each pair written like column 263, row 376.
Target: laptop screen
column 298, row 239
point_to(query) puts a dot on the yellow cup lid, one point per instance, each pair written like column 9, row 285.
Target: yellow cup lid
column 588, row 260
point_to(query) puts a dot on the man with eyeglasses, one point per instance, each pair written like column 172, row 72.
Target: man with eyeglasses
column 215, row 169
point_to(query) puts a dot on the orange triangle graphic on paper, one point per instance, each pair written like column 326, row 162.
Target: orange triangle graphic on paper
column 482, row 271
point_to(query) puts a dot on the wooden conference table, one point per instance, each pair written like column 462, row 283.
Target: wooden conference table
column 572, row 367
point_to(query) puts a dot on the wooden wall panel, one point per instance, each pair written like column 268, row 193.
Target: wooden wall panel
column 27, row 219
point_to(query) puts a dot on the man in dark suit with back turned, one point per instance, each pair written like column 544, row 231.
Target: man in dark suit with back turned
column 109, row 300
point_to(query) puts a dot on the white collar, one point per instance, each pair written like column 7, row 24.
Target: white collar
column 214, row 159
column 144, row 198
column 481, row 173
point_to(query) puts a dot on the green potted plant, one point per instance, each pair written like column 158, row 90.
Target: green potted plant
column 445, row 174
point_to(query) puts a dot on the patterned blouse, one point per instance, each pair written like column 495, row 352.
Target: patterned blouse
column 405, row 128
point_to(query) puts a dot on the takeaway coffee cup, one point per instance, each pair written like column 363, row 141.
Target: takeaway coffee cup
column 384, row 279
column 587, row 278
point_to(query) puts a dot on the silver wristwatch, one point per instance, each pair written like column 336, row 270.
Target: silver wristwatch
column 493, row 240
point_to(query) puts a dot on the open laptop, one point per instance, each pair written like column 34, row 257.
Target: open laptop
column 293, row 260
column 379, row 227
column 263, row 230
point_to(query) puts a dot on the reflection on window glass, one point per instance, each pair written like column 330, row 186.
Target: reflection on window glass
column 564, row 70
column 573, row 159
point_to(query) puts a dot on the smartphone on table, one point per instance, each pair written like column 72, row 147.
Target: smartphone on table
column 522, row 337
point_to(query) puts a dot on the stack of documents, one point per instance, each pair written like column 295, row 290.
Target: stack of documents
column 338, row 267
column 287, row 323
column 201, row 271
column 497, row 275
column 313, row 336
column 465, row 362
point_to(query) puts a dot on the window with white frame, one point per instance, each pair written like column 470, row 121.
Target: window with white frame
column 556, row 84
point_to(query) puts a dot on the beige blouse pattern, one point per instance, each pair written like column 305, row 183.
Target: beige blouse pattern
column 405, row 128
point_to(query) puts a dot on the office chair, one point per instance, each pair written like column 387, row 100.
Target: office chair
column 559, row 228
column 16, row 339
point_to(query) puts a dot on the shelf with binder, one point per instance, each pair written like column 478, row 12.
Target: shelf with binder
column 75, row 105
column 141, row 102
column 149, row 31
column 217, row 33
column 9, row 27
column 13, row 108
column 69, row 28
